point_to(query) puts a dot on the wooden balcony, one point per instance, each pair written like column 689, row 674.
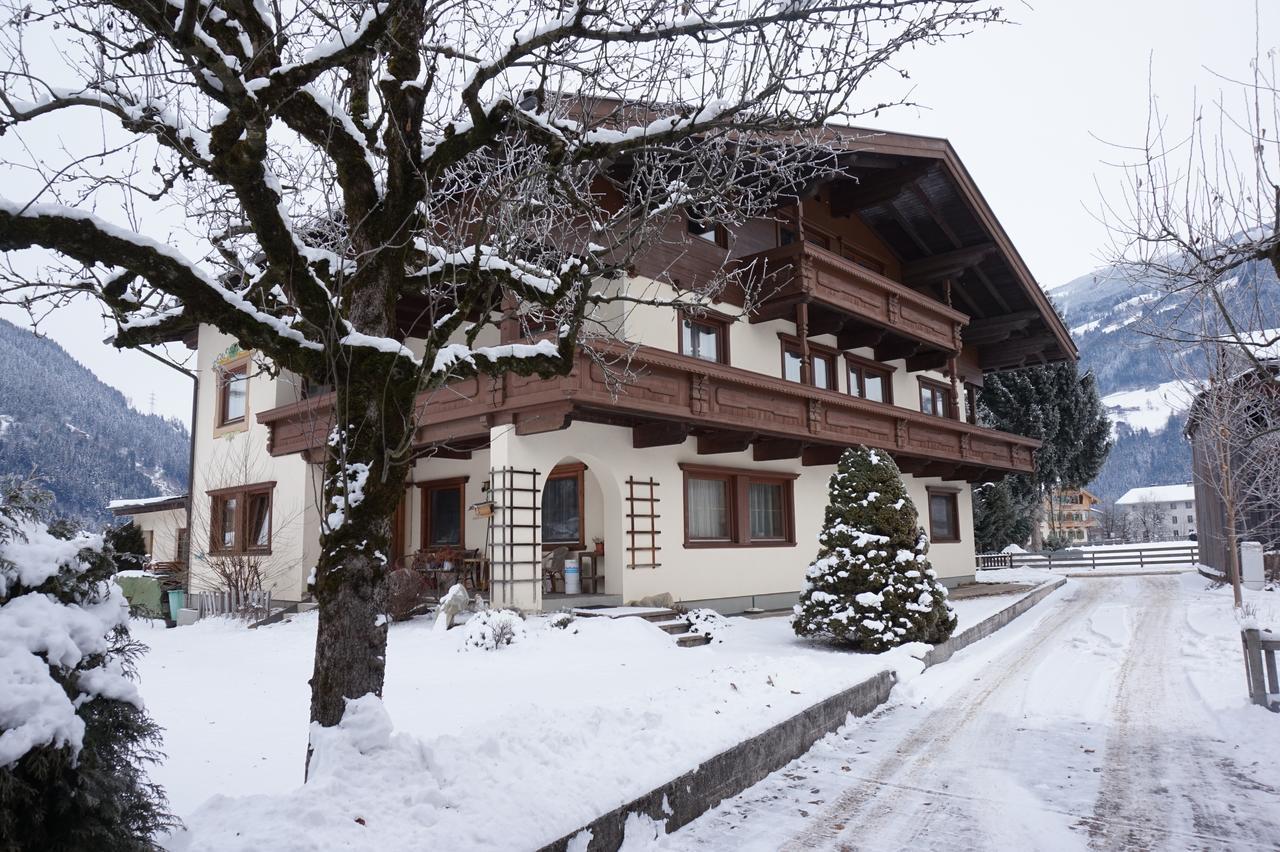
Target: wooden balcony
column 859, row 305
column 672, row 398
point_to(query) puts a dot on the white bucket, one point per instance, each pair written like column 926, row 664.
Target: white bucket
column 572, row 577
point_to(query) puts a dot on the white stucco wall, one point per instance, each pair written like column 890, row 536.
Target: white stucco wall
column 162, row 528
column 701, row 573
column 239, row 457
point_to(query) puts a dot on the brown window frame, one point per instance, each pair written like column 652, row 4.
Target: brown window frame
column 738, row 494
column 860, row 365
column 714, row 320
column 791, row 343
column 182, row 545
column 571, row 470
column 971, row 402
column 424, row 491
column 720, row 232
column 242, row 495
column 953, row 502
column 239, row 368
column 936, row 387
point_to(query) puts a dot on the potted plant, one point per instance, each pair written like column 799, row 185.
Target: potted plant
column 599, row 543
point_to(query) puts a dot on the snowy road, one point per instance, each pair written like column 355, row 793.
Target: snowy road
column 1080, row 726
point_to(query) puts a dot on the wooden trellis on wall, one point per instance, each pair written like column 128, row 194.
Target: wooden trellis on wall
column 514, row 541
column 642, row 523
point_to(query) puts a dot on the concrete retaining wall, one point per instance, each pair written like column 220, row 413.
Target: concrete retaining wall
column 684, row 799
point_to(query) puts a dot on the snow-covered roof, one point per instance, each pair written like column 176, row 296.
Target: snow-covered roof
column 1158, row 494
column 147, row 504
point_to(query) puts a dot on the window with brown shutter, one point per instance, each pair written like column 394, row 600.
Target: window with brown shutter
column 240, row 519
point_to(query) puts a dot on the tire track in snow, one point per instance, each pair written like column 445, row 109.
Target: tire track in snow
column 865, row 810
column 1159, row 776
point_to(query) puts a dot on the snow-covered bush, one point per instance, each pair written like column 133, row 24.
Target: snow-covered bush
column 74, row 738
column 707, row 622
column 492, row 629
column 561, row 620
column 871, row 585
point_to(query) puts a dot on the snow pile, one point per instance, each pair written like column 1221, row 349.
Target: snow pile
column 42, row 639
column 707, row 622
column 493, row 629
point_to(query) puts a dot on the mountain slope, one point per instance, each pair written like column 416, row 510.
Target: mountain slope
column 60, row 421
column 1107, row 315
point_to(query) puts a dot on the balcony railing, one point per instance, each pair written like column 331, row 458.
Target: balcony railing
column 671, row 397
column 804, row 272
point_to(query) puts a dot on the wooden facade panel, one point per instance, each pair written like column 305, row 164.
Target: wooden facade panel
column 758, row 409
column 856, row 427
column 672, row 388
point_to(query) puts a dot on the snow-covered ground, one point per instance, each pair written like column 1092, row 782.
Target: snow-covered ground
column 492, row 750
column 1113, row 716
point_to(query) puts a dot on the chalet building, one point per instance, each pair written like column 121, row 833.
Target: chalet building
column 892, row 292
column 1073, row 513
column 163, row 523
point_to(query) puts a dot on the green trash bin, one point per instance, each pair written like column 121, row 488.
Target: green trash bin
column 177, row 600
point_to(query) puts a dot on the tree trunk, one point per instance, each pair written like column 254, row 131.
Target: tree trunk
column 1037, row 514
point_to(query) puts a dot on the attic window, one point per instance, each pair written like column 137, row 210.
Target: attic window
column 705, row 229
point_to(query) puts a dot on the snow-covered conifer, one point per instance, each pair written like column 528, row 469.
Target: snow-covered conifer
column 871, row 585
column 74, row 737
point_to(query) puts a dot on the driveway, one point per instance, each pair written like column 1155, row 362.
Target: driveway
column 1077, row 727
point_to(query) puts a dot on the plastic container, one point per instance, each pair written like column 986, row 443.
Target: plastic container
column 572, row 577
column 177, row 600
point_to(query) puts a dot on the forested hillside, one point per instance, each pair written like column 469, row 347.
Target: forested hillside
column 1108, row 317
column 58, row 420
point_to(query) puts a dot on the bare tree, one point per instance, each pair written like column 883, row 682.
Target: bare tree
column 1234, row 426
column 336, row 167
column 1146, row 521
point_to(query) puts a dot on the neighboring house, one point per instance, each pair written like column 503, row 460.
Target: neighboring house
column 163, row 521
column 1160, row 512
column 893, row 292
column 1073, row 514
column 1253, row 462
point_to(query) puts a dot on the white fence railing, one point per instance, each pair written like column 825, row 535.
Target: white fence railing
column 228, row 602
column 1099, row 559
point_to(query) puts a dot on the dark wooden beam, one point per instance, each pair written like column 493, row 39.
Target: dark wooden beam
column 826, row 322
column 985, row 281
column 980, row 332
column 660, row 434
column 879, row 190
column 908, row 228
column 714, row 443
column 931, row 359
column 772, row 449
column 893, row 349
column 1013, row 352
column 858, row 336
column 911, row 464
column 547, row 418
column 774, row 309
column 950, row 264
column 820, row 455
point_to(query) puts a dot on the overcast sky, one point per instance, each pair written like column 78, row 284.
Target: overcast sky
column 1030, row 108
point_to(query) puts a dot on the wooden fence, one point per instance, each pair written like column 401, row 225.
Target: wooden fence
column 228, row 602
column 1260, row 648
column 1100, row 559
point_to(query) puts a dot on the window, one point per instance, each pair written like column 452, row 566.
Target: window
column 935, row 398
column 183, row 545
column 706, row 338
column 233, row 393
column 944, row 516
column 1173, row 505
column 1187, row 505
column 868, row 380
column 708, row 508
column 971, row 403
column 709, row 231
column 725, row 507
column 1191, row 519
column 822, row 363
column 148, row 542
column 241, row 519
column 443, row 501
column 562, row 505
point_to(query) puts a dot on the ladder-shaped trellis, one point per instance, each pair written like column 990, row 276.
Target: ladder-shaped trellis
column 642, row 523
column 514, row 541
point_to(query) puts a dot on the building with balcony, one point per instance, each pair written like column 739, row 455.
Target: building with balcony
column 1073, row 515
column 699, row 468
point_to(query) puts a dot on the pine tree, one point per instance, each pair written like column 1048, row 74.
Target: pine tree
column 75, row 741
column 128, row 545
column 1000, row 516
column 871, row 585
column 1061, row 409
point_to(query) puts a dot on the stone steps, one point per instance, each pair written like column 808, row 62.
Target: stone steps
column 667, row 620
